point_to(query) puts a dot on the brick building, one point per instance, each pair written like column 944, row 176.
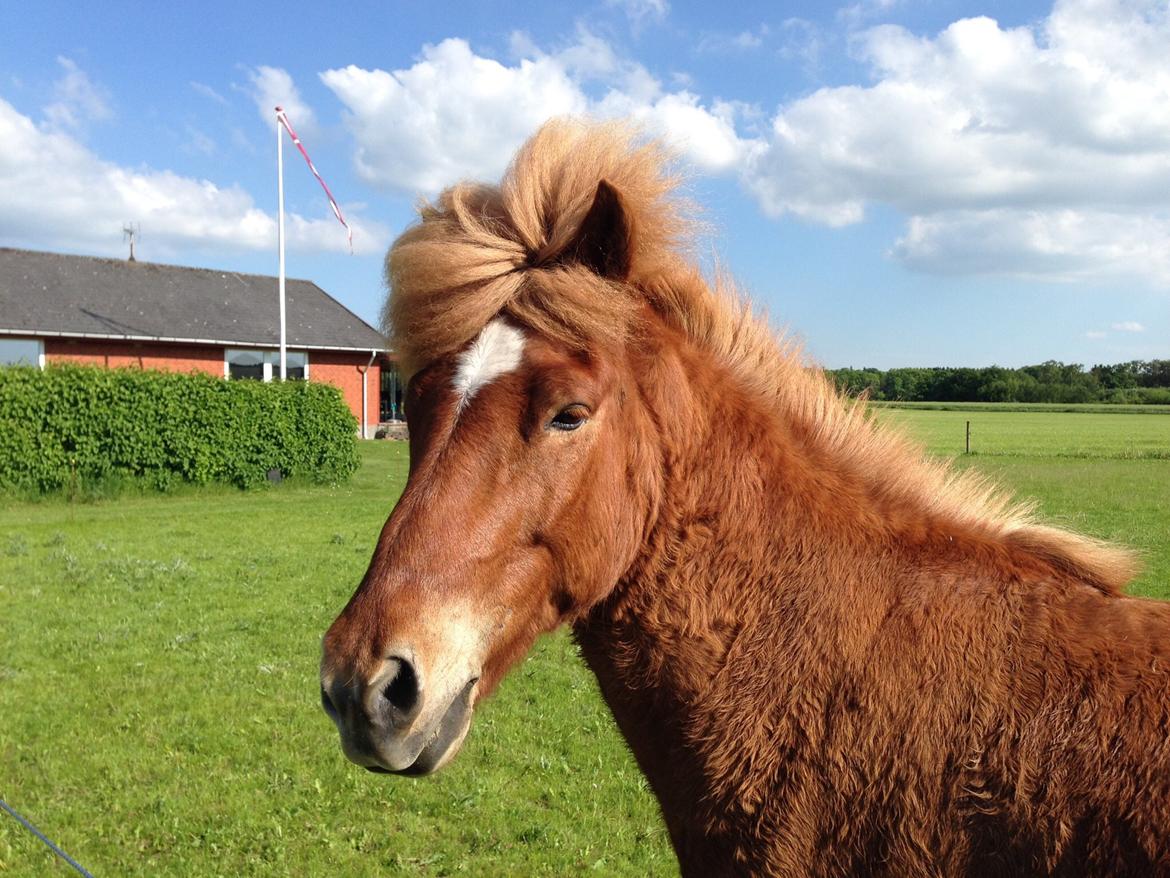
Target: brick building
column 56, row 308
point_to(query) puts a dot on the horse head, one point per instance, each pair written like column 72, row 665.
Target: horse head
column 525, row 503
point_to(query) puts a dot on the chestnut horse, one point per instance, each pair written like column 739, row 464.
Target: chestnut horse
column 829, row 654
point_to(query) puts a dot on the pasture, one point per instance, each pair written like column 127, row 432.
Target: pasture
column 158, row 677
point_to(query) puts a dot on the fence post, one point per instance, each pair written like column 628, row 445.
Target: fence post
column 968, row 437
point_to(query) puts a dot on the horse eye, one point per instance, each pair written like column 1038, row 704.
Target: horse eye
column 569, row 418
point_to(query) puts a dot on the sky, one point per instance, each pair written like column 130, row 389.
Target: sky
column 896, row 182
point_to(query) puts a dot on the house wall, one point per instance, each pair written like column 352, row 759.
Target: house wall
column 168, row 357
column 339, row 368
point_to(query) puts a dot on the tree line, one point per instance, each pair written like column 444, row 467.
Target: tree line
column 1135, row 382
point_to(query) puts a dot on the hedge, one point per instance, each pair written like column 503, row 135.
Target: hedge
column 69, row 425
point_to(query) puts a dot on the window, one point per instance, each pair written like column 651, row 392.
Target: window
column 22, row 352
column 264, row 365
column 244, row 365
column 391, row 396
column 296, row 365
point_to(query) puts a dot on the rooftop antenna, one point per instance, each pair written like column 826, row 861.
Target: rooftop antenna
column 129, row 233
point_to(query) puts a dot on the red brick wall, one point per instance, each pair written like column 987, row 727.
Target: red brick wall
column 168, row 357
column 339, row 368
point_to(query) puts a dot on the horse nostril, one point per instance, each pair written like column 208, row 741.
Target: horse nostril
column 327, row 703
column 401, row 694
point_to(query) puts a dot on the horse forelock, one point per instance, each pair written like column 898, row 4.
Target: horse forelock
column 481, row 252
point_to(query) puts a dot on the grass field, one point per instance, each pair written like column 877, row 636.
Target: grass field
column 1095, row 435
column 1098, row 408
column 158, row 695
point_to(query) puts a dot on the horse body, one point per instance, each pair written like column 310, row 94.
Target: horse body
column 829, row 655
column 922, row 700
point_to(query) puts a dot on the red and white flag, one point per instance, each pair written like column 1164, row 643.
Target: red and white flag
column 282, row 118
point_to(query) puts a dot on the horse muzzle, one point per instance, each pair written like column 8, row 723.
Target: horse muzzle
column 392, row 724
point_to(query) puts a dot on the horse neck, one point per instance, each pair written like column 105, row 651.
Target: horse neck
column 748, row 539
column 744, row 496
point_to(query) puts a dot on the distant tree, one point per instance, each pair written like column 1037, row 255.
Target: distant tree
column 997, row 384
column 1154, row 373
column 1027, row 387
column 1138, row 381
column 1119, row 375
column 908, row 385
column 963, row 385
column 858, row 381
column 1048, row 372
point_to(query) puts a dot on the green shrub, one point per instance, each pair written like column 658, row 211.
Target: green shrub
column 67, row 426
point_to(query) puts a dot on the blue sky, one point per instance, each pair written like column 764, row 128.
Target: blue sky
column 897, row 182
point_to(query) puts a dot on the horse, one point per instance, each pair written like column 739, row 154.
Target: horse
column 829, row 653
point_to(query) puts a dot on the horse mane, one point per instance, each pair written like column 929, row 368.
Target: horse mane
column 481, row 251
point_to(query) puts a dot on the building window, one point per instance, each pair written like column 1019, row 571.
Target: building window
column 296, row 365
column 391, row 396
column 22, row 352
column 245, row 365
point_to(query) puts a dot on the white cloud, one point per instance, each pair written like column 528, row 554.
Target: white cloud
column 1123, row 326
column 1057, row 244
column 208, row 92
column 705, row 136
column 744, row 41
column 76, row 99
column 640, row 11
column 1028, row 151
column 455, row 114
column 197, row 141
column 271, row 87
column 749, row 39
column 58, row 193
column 1040, row 152
column 803, row 42
column 857, row 14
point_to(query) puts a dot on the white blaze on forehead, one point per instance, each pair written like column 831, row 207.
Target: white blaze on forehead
column 495, row 352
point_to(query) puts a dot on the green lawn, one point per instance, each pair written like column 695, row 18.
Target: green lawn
column 158, row 698
column 159, row 708
column 1037, row 433
column 1073, row 407
column 1103, row 474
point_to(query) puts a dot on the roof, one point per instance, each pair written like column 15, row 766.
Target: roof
column 54, row 294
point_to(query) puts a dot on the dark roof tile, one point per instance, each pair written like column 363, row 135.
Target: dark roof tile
column 55, row 294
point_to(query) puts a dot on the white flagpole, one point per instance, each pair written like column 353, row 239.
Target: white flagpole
column 280, row 231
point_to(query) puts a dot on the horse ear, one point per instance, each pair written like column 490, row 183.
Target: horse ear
column 604, row 242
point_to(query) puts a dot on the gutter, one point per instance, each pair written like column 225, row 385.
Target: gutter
column 365, row 380
column 235, row 343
